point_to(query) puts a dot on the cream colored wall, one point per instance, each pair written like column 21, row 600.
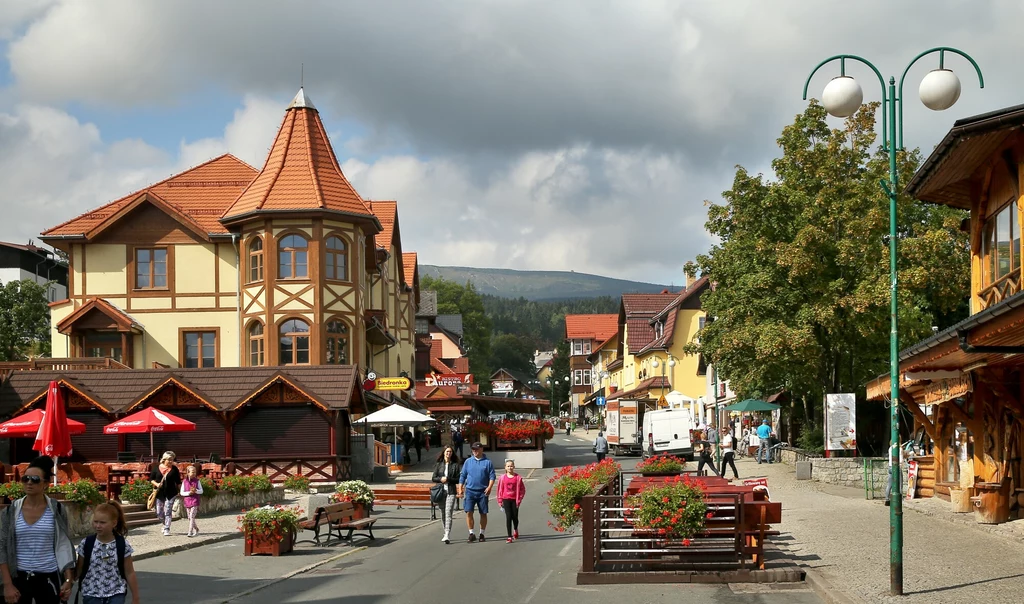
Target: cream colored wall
column 106, row 267
column 195, row 269
column 629, row 365
column 449, row 349
column 76, row 270
column 161, row 339
column 227, row 260
column 59, row 345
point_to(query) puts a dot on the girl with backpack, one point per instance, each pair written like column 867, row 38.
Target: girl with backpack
column 105, row 568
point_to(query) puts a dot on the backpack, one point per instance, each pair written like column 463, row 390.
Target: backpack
column 87, row 547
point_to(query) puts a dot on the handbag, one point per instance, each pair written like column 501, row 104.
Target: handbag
column 151, row 500
column 438, row 494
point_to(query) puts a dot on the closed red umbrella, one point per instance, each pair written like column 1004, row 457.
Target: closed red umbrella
column 27, row 424
column 53, row 437
column 149, row 420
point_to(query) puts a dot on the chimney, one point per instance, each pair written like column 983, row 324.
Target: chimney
column 690, row 279
column 690, row 270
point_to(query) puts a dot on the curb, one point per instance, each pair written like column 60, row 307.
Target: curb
column 825, row 590
column 316, row 565
column 185, row 546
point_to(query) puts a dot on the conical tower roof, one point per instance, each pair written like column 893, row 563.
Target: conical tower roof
column 301, row 172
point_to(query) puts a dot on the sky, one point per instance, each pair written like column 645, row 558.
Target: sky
column 582, row 135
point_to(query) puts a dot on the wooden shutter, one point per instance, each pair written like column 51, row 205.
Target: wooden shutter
column 282, row 431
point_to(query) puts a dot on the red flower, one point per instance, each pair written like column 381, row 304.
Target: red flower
column 686, row 542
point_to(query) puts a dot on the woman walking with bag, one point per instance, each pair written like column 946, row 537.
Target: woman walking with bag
column 166, row 480
column 35, row 542
column 446, row 474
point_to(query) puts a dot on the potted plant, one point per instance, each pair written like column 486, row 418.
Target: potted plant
column 661, row 465
column 270, row 529
column 11, row 491
column 674, row 511
column 571, row 485
column 136, row 491
column 359, row 493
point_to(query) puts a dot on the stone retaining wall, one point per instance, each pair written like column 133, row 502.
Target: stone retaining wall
column 845, row 471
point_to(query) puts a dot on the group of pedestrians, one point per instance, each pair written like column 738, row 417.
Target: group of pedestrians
column 38, row 562
column 472, row 481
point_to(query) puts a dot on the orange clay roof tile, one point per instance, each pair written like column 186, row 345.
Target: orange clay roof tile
column 409, row 266
column 591, row 327
column 387, row 213
column 201, row 194
column 301, row 172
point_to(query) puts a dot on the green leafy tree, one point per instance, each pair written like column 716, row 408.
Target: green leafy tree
column 453, row 298
column 542, row 320
column 514, row 352
column 24, row 321
column 801, row 274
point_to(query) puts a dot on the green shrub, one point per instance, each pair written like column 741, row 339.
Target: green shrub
column 12, row 490
column 209, row 487
column 82, row 491
column 136, row 490
column 236, row 485
column 260, row 482
column 297, row 483
column 812, row 440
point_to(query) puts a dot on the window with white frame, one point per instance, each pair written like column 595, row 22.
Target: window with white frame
column 577, row 377
column 577, row 347
column 659, row 329
column 587, row 375
column 586, row 346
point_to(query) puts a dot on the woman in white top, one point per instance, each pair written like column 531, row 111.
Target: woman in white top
column 35, row 543
column 729, row 452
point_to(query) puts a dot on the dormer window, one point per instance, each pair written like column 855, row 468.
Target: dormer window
column 659, row 329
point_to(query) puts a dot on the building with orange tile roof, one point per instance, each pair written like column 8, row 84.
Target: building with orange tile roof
column 224, row 265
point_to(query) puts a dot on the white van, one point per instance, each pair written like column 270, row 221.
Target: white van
column 667, row 431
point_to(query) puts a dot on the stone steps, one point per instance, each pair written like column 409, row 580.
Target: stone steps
column 137, row 515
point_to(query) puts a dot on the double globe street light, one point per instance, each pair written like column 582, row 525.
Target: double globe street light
column 842, row 97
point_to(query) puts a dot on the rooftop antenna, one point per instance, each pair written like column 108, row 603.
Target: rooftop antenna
column 302, row 75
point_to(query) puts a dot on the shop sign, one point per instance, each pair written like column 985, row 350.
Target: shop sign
column 394, row 383
column 840, row 422
column 947, row 389
column 501, row 386
column 454, row 379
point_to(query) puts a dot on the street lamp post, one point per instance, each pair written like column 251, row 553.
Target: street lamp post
column 671, row 363
column 939, row 90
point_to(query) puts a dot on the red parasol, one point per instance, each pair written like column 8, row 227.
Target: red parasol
column 149, row 420
column 27, row 425
column 53, row 437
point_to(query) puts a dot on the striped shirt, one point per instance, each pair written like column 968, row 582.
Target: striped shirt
column 35, row 543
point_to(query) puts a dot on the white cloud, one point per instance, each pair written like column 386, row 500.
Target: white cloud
column 248, row 136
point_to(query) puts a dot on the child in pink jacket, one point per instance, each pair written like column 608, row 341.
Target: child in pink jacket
column 511, row 491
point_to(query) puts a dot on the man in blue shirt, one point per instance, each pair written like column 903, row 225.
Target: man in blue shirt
column 475, row 484
column 764, row 432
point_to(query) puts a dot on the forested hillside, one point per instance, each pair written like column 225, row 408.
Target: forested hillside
column 544, row 322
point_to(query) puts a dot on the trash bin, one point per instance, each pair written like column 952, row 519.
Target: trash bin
column 396, row 453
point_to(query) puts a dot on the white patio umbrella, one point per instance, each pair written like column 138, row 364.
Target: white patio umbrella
column 395, row 416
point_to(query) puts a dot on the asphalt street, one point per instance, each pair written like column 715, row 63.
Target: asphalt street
column 416, row 566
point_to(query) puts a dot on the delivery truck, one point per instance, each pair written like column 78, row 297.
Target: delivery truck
column 667, row 432
column 622, row 427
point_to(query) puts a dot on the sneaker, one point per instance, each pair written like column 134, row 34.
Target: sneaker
column 886, row 503
column 445, row 538
column 515, row 535
column 482, row 538
column 509, row 540
column 167, row 532
column 472, row 538
column 190, row 535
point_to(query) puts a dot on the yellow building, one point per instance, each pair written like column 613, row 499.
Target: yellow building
column 649, row 360
column 226, row 266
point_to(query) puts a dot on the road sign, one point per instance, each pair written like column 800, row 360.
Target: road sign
column 662, row 402
column 394, row 383
column 599, row 401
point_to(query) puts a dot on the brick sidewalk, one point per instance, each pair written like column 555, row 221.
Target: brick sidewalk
column 845, row 538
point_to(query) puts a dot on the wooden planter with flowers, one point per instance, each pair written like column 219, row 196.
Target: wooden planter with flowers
column 269, row 529
column 358, row 493
column 522, row 435
column 672, row 512
column 661, row 465
column 570, row 485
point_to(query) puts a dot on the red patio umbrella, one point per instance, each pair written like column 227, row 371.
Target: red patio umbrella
column 53, row 437
column 27, row 425
column 149, row 420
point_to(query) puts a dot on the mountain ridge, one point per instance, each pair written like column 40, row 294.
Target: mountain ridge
column 540, row 285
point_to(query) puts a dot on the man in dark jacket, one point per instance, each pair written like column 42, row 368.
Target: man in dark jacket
column 407, row 439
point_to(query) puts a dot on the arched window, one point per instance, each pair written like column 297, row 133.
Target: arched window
column 294, row 340
column 292, row 261
column 337, row 343
column 257, row 345
column 336, row 259
column 256, row 260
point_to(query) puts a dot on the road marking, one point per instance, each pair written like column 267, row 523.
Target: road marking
column 581, row 588
column 565, row 550
column 537, row 585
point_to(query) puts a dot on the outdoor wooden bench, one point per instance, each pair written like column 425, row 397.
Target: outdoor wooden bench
column 318, row 520
column 341, row 517
column 406, row 496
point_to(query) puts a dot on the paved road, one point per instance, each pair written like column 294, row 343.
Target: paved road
column 417, row 567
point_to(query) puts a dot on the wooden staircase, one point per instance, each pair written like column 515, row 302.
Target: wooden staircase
column 137, row 515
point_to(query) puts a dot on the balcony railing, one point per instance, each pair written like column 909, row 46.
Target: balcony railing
column 75, row 364
column 1000, row 290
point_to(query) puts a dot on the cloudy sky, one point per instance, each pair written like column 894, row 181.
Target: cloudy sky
column 523, row 134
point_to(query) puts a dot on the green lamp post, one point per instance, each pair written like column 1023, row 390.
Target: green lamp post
column 939, row 90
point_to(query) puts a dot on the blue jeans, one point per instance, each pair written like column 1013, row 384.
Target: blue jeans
column 762, row 451
column 118, row 599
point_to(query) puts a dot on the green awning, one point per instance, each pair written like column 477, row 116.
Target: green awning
column 752, row 404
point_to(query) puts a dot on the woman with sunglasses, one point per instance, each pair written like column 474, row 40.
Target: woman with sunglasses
column 35, row 543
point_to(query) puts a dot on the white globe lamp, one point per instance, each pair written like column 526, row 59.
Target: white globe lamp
column 842, row 96
column 940, row 89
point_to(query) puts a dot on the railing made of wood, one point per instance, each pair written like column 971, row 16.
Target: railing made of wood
column 1005, row 287
column 69, row 364
column 381, row 453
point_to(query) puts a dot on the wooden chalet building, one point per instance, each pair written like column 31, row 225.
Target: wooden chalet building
column 964, row 385
column 235, row 293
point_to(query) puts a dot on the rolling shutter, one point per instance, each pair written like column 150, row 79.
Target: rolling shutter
column 281, row 431
column 93, row 445
column 207, row 438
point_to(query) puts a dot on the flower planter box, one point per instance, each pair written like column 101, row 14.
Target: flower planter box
column 274, row 546
column 660, row 473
